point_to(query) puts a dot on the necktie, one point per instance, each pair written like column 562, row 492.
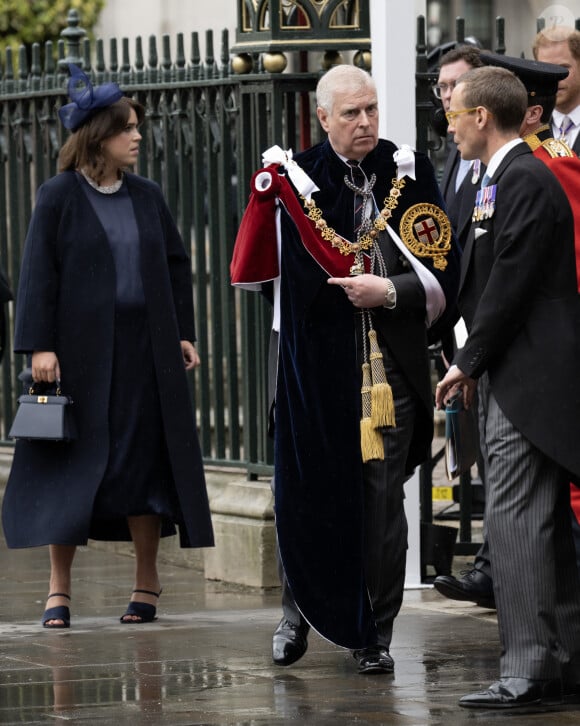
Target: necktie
column 462, row 170
column 359, row 180
column 485, row 180
column 566, row 126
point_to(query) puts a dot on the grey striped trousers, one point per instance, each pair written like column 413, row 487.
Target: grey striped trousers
column 536, row 581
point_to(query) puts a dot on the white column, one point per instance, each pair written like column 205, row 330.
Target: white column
column 412, row 512
column 393, row 37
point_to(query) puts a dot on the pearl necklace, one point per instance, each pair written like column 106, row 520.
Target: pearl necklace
column 366, row 241
column 111, row 189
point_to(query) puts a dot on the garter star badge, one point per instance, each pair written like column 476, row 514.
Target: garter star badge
column 426, row 231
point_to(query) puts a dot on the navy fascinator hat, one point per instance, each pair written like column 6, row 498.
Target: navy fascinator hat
column 85, row 99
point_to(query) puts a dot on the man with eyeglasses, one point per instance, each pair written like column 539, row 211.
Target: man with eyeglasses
column 519, row 298
column 461, row 178
column 459, row 184
column 542, row 81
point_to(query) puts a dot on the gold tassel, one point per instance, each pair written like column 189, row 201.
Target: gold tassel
column 371, row 439
column 382, row 404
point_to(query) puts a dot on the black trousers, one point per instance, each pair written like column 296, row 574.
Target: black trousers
column 385, row 522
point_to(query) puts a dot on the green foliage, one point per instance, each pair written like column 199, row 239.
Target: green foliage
column 23, row 22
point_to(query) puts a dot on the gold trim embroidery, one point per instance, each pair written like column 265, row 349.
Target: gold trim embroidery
column 555, row 147
column 426, row 231
column 533, row 140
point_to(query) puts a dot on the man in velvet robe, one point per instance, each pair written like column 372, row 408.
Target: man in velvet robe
column 340, row 521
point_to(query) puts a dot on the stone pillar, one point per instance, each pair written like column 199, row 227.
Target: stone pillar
column 245, row 538
column 393, row 37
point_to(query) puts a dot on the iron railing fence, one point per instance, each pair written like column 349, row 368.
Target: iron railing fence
column 204, row 133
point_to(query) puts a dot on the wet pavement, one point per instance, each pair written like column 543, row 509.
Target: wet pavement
column 206, row 660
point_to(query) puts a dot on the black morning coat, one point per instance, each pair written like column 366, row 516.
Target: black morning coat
column 519, row 298
column 459, row 203
column 66, row 304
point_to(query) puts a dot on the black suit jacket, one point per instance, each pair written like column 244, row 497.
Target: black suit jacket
column 519, row 298
column 459, row 207
column 459, row 204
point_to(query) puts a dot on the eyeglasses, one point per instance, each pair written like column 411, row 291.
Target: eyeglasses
column 452, row 115
column 440, row 88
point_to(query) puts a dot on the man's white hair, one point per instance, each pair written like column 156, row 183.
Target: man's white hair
column 341, row 78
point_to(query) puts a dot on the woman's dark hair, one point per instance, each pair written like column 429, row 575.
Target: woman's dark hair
column 82, row 150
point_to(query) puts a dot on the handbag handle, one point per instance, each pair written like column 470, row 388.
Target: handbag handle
column 57, row 392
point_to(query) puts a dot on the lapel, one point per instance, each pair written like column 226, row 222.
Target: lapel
column 466, row 257
column 464, row 198
column 512, row 154
column 450, row 170
column 519, row 150
column 468, row 192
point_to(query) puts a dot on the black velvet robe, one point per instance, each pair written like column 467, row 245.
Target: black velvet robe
column 318, row 464
column 66, row 304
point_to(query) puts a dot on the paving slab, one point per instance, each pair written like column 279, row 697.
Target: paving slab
column 206, row 661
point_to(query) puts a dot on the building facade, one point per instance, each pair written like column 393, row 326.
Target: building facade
column 520, row 20
column 132, row 18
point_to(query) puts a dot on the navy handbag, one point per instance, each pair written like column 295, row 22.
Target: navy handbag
column 45, row 416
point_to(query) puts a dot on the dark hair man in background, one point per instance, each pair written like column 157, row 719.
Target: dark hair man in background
column 561, row 45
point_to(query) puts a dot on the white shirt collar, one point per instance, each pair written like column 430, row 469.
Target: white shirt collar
column 499, row 156
column 557, row 117
column 346, row 159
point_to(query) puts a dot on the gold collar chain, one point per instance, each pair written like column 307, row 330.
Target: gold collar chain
column 366, row 241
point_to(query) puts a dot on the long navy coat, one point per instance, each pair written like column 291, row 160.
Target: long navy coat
column 66, row 304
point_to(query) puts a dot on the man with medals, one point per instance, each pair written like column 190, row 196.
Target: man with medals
column 351, row 238
column 541, row 81
column 519, row 298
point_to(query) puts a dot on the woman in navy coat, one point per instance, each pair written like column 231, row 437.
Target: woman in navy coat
column 105, row 306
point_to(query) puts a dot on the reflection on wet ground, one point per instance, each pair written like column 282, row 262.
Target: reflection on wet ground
column 207, row 659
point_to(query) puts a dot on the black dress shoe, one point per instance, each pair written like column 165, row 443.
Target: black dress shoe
column 374, row 660
column 515, row 692
column 571, row 692
column 289, row 642
column 475, row 586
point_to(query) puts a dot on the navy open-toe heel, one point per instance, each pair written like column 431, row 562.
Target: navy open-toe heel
column 143, row 610
column 60, row 612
